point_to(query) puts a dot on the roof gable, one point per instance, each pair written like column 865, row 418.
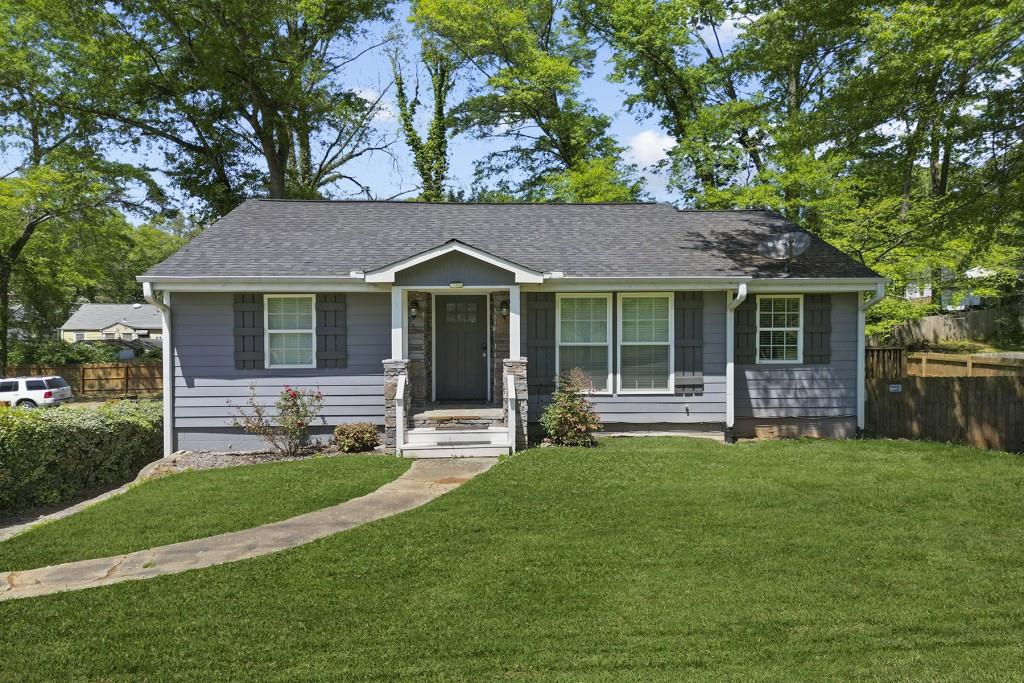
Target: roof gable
column 521, row 274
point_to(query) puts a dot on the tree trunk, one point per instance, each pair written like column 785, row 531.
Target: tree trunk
column 5, row 314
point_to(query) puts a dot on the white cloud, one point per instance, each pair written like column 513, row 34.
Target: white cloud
column 648, row 147
column 384, row 111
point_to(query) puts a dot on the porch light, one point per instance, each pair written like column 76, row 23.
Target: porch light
column 457, row 284
column 414, row 310
column 503, row 309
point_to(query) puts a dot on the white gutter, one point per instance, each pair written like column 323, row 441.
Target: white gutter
column 864, row 305
column 162, row 300
column 730, row 353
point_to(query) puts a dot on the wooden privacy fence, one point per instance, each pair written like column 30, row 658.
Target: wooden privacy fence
column 987, row 412
column 895, row 361
column 885, row 361
column 101, row 380
column 962, row 365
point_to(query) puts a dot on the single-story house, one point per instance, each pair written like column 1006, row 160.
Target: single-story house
column 447, row 324
column 93, row 322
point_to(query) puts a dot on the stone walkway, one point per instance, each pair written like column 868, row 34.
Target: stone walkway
column 424, row 481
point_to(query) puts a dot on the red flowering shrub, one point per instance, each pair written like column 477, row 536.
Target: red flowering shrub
column 288, row 432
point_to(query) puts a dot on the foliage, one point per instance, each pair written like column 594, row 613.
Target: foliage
column 892, row 311
column 48, row 456
column 530, row 61
column 430, row 156
column 570, row 419
column 891, row 130
column 60, row 352
column 241, row 98
column 356, row 437
column 218, row 501
column 287, row 431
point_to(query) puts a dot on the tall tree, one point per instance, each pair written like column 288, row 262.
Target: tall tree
column 430, row 155
column 529, row 61
column 243, row 97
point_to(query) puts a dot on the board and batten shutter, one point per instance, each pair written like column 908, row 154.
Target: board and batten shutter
column 248, row 331
column 746, row 331
column 689, row 343
column 331, row 331
column 539, row 323
column 818, row 328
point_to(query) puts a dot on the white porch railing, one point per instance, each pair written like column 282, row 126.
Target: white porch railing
column 400, row 414
column 510, row 411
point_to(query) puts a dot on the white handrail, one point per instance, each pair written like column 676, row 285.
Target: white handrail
column 510, row 410
column 400, row 414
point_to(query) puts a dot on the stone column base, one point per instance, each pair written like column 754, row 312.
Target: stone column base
column 517, row 368
column 393, row 369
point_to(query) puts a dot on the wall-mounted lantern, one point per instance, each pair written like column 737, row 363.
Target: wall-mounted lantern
column 503, row 309
column 414, row 310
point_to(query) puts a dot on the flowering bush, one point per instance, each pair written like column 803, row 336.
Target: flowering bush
column 356, row 437
column 288, row 432
column 570, row 419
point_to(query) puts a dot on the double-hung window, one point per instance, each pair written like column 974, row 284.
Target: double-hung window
column 290, row 334
column 780, row 329
column 583, row 328
column 645, row 342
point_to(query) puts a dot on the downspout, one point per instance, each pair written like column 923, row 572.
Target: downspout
column 864, row 305
column 162, row 300
column 730, row 364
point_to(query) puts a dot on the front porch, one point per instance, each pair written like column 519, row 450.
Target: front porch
column 456, row 384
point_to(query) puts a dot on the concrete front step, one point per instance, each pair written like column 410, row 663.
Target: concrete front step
column 443, row 436
column 455, row 451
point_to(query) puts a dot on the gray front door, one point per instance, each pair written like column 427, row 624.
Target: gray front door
column 461, row 353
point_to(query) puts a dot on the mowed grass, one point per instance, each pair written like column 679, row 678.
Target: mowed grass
column 197, row 504
column 641, row 560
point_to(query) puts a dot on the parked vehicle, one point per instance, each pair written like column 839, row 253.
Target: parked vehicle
column 34, row 392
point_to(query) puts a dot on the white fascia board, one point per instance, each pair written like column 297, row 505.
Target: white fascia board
column 264, row 284
column 636, row 284
column 387, row 273
column 812, row 285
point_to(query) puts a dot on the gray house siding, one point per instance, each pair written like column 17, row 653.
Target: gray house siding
column 795, row 391
column 206, row 383
column 662, row 408
column 454, row 267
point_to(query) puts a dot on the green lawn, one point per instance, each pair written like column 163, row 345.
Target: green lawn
column 197, row 504
column 644, row 559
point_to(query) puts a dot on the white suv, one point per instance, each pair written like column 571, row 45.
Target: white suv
column 32, row 392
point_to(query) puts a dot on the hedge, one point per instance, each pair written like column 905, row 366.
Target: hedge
column 48, row 456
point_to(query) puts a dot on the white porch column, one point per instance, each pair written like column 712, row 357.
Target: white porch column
column 397, row 323
column 514, row 327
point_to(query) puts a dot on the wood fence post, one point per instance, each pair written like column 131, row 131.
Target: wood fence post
column 924, row 365
column 970, row 366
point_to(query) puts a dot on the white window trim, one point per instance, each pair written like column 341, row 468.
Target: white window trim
column 670, row 388
column 799, row 331
column 267, row 331
column 610, row 340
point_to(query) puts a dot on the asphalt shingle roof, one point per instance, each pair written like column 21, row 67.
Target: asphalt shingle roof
column 282, row 238
column 100, row 316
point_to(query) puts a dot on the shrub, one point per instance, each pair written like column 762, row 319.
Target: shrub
column 570, row 419
column 288, row 433
column 356, row 437
column 48, row 456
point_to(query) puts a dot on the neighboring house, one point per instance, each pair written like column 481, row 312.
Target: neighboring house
column 93, row 322
column 16, row 329
column 924, row 293
column 395, row 308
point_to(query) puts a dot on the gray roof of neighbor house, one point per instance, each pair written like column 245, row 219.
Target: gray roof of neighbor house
column 293, row 238
column 101, row 316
